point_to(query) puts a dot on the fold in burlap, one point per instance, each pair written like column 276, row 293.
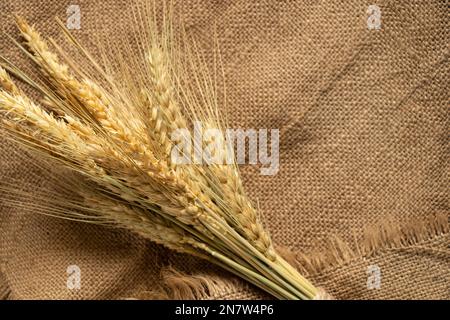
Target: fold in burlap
column 364, row 123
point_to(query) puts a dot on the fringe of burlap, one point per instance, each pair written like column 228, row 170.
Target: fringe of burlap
column 387, row 235
column 363, row 119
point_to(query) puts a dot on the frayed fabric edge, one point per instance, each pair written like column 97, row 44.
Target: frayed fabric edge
column 176, row 285
column 388, row 235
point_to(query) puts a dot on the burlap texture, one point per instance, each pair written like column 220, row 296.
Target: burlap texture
column 364, row 123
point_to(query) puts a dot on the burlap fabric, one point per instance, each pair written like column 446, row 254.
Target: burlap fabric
column 364, row 153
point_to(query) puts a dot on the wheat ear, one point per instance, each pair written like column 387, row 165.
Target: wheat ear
column 97, row 132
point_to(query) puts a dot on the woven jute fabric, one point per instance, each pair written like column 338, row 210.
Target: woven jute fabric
column 363, row 186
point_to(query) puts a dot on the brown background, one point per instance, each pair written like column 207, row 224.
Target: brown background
column 364, row 120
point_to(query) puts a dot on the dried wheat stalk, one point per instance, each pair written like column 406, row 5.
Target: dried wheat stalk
column 115, row 132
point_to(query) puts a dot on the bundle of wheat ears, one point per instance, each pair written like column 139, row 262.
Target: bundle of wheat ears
column 109, row 125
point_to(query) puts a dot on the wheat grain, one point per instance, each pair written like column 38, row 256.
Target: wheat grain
column 118, row 139
column 7, row 83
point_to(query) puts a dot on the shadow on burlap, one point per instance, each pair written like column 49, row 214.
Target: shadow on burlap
column 364, row 149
